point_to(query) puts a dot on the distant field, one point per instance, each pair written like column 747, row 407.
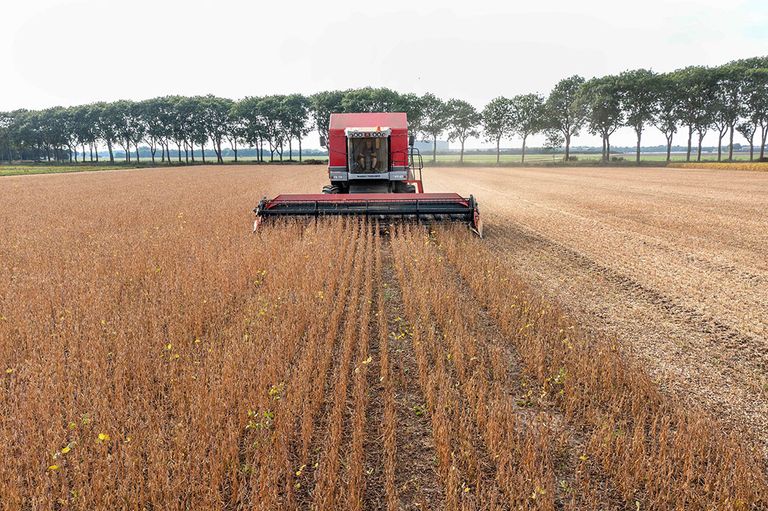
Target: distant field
column 16, row 170
column 542, row 158
column 471, row 159
column 759, row 166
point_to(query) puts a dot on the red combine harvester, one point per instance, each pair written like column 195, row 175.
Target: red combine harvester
column 373, row 166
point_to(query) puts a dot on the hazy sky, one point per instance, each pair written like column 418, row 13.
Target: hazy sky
column 67, row 52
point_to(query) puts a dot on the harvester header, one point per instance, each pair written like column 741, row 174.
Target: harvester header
column 374, row 170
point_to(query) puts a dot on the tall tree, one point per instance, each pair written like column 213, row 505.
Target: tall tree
column 235, row 131
column 638, row 93
column 181, row 125
column 6, row 145
column 156, row 116
column 434, row 119
column 564, row 112
column 106, row 127
column 667, row 108
column 756, row 106
column 497, row 117
column 463, row 120
column 411, row 105
column 195, row 124
column 216, row 118
column 370, row 99
column 253, row 124
column 323, row 104
column 527, row 117
column 602, row 101
column 695, row 88
column 273, row 114
column 296, row 119
column 729, row 104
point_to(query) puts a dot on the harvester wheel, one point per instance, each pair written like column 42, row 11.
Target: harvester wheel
column 331, row 189
column 404, row 188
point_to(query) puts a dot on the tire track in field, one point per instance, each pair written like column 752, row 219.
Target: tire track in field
column 720, row 333
column 375, row 494
column 749, row 277
column 418, row 484
column 698, row 357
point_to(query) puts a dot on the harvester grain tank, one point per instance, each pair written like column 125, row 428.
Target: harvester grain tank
column 373, row 170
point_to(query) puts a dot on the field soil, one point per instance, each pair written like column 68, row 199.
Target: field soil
column 604, row 347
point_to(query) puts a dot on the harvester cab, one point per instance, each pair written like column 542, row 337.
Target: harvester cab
column 373, row 170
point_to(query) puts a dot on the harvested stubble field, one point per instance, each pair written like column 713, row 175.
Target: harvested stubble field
column 157, row 355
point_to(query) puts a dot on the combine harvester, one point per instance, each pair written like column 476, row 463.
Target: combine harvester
column 372, row 166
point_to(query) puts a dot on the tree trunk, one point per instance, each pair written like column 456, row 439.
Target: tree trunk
column 567, row 147
column 111, row 155
column 637, row 153
column 608, row 148
column 522, row 155
column 720, row 146
column 730, row 145
column 498, row 150
column 299, row 149
column 434, row 149
column 461, row 156
column 137, row 153
column 764, row 135
column 669, row 148
column 688, row 151
column 752, row 147
column 290, row 150
column 192, row 151
column 701, row 139
column 202, row 151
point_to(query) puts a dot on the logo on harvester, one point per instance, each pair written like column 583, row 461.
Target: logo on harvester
column 368, row 134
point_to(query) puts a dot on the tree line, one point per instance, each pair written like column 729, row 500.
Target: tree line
column 727, row 100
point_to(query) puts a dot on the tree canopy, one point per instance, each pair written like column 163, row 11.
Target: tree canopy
column 731, row 99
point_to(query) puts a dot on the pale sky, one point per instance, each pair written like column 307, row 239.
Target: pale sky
column 68, row 52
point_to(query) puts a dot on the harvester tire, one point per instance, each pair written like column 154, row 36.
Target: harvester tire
column 331, row 189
